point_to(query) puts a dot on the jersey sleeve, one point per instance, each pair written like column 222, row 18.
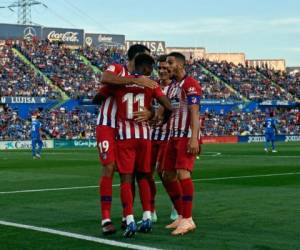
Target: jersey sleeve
column 193, row 91
column 157, row 92
column 115, row 68
column 105, row 90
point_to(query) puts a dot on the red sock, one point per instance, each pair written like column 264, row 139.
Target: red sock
column 145, row 195
column 153, row 193
column 126, row 198
column 175, row 192
column 106, row 196
column 187, row 197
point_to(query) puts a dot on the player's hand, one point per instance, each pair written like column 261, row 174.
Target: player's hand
column 193, row 146
column 145, row 82
column 157, row 120
column 142, row 115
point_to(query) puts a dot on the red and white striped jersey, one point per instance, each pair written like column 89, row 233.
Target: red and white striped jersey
column 182, row 94
column 129, row 99
column 160, row 132
column 108, row 109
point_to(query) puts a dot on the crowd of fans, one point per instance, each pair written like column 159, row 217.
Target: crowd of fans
column 66, row 69
column 288, row 81
column 12, row 127
column 75, row 124
column 63, row 66
column 18, row 79
column 211, row 87
column 248, row 81
column 103, row 57
column 240, row 123
column 80, row 124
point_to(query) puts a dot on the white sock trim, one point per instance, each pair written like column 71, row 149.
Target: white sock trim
column 147, row 215
column 104, row 221
column 129, row 219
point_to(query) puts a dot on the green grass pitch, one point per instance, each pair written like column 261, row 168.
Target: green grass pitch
column 257, row 209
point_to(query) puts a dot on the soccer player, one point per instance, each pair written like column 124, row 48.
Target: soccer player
column 270, row 132
column 36, row 139
column 159, row 136
column 133, row 141
column 106, row 130
column 183, row 145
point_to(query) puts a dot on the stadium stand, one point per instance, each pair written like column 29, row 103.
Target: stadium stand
column 246, row 80
column 12, row 127
column 63, row 66
column 211, row 88
column 75, row 124
column 288, row 81
column 18, row 79
column 240, row 123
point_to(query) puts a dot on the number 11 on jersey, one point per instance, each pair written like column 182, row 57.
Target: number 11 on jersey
column 131, row 99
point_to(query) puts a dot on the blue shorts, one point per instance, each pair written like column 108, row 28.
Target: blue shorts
column 270, row 136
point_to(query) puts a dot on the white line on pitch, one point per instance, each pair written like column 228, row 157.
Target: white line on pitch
column 77, row 236
column 157, row 182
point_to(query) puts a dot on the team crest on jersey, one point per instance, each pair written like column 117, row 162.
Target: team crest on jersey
column 111, row 68
column 191, row 90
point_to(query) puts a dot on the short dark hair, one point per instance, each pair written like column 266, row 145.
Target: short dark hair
column 136, row 49
column 143, row 60
column 178, row 56
column 162, row 58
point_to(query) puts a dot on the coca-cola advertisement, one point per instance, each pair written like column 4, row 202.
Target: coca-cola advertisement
column 66, row 36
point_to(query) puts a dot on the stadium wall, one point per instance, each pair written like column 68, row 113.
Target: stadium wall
column 189, row 52
column 236, row 58
column 275, row 64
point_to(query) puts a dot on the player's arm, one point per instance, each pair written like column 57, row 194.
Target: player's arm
column 193, row 94
column 167, row 109
column 193, row 144
column 102, row 94
column 41, row 133
column 111, row 77
column 98, row 99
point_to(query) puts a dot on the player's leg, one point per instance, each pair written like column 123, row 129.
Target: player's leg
column 125, row 163
column 267, row 139
column 33, row 146
column 184, row 165
column 273, row 143
column 151, row 179
column 159, row 169
column 143, row 173
column 170, row 180
column 39, row 149
column 106, row 148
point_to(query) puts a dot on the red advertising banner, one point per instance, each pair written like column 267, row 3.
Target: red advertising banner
column 219, row 139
